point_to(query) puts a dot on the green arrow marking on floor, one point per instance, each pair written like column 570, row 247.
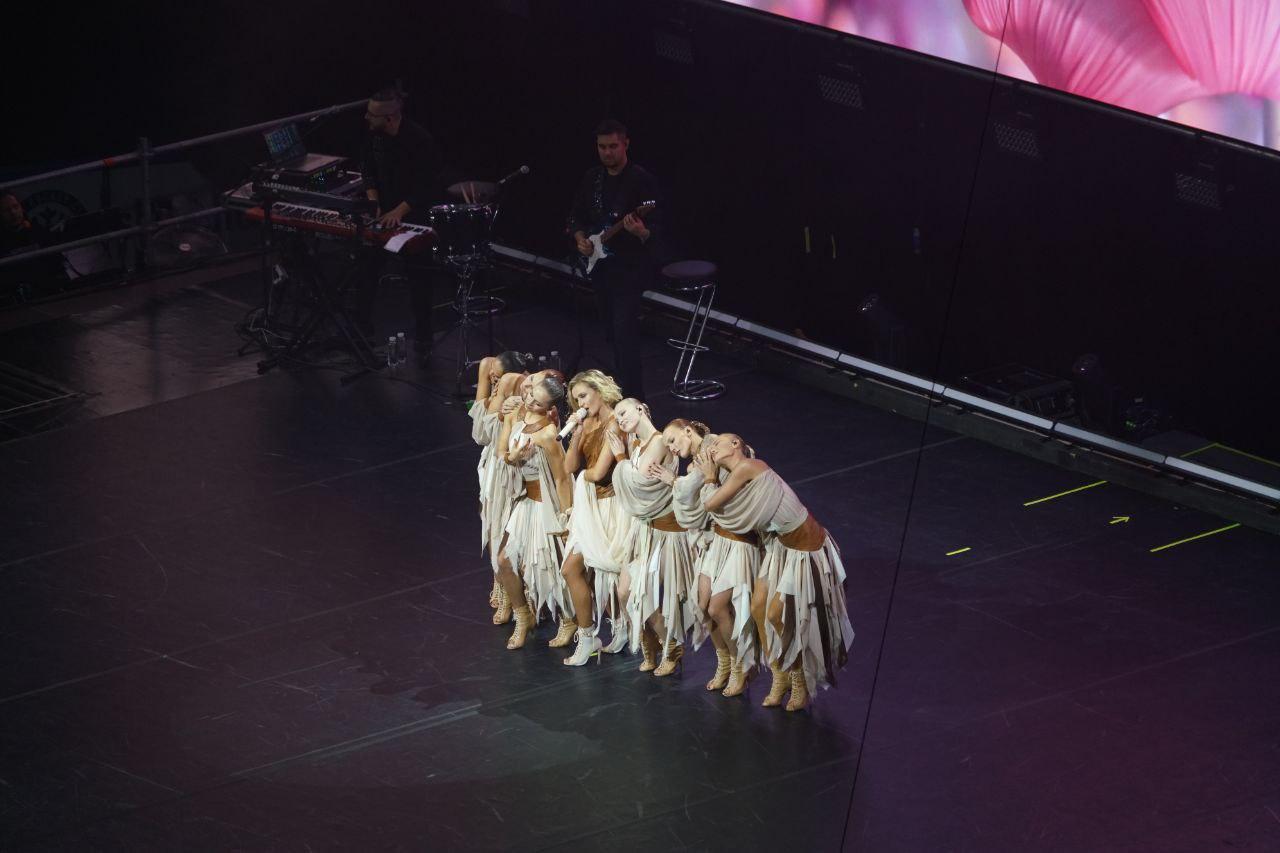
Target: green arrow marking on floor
column 960, row 551
column 1197, row 536
column 1064, row 494
column 1119, row 519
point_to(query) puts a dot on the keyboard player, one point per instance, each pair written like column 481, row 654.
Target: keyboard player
column 405, row 174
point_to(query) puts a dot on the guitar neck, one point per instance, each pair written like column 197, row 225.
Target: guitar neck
column 611, row 232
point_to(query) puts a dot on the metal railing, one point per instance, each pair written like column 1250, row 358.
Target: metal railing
column 143, row 155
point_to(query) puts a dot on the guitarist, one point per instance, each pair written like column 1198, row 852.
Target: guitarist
column 606, row 195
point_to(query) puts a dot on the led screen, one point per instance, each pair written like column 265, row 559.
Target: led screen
column 1210, row 64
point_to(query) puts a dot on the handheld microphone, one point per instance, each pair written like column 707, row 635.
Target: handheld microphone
column 574, row 419
column 523, row 170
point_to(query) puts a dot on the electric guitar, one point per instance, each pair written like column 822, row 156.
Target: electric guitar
column 600, row 238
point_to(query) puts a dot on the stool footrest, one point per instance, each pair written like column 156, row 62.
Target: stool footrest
column 685, row 346
column 697, row 389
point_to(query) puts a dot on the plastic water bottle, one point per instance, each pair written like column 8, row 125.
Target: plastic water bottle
column 391, row 351
column 555, row 358
column 402, row 348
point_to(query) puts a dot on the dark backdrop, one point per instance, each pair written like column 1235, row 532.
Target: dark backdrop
column 1071, row 237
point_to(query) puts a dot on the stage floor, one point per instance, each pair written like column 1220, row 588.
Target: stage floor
column 254, row 617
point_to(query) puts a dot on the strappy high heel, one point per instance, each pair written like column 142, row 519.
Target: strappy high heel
column 739, row 678
column 781, row 684
column 503, row 614
column 671, row 660
column 799, row 691
column 724, row 665
column 568, row 630
column 524, row 624
column 649, row 646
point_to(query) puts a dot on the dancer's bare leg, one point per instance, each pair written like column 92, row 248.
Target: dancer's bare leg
column 722, row 615
column 759, row 614
column 760, row 604
column 513, row 586
column 724, row 656
column 575, row 575
column 782, row 616
column 624, row 590
column 779, row 608
column 705, row 605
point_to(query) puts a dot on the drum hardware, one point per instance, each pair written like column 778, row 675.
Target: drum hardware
column 463, row 245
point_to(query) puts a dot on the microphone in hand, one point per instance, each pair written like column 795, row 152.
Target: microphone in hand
column 572, row 422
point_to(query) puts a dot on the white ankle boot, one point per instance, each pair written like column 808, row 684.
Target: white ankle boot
column 588, row 644
column 619, row 629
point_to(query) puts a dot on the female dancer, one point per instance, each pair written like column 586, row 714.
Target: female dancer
column 661, row 604
column 806, row 635
column 598, row 528
column 497, row 379
column 684, row 439
column 531, row 550
column 519, row 405
column 726, row 571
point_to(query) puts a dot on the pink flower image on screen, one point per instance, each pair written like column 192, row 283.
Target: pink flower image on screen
column 1189, row 60
column 1228, row 46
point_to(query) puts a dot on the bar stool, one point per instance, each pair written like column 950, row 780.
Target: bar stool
column 690, row 278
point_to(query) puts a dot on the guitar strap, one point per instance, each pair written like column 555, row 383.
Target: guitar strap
column 597, row 199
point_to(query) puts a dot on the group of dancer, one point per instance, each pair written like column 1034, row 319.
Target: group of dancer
column 606, row 530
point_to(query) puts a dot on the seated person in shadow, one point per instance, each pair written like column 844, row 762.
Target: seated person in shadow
column 24, row 280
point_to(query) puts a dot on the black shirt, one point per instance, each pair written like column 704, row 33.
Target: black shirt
column 603, row 199
column 407, row 167
column 37, row 271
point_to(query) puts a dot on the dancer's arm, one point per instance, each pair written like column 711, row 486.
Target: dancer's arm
column 506, row 387
column 746, row 471
column 484, row 378
column 654, row 453
column 508, row 423
column 546, row 439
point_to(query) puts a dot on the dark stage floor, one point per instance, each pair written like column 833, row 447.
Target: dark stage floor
column 254, row 617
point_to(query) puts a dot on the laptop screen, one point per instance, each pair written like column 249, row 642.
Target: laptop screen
column 283, row 143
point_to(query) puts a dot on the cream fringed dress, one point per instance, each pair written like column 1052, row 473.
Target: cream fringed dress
column 660, row 559
column 801, row 561
column 533, row 530
column 693, row 516
column 731, row 561
column 499, row 482
column 598, row 528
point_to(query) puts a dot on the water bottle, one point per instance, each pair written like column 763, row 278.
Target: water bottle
column 391, row 351
column 555, row 358
column 402, row 348
column 542, row 363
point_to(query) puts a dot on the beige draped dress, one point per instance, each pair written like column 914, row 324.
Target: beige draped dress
column 801, row 562
column 660, row 559
column 731, row 560
column 599, row 530
column 499, row 482
column 533, row 531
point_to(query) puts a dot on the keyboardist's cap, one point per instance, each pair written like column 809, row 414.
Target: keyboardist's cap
column 383, row 104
